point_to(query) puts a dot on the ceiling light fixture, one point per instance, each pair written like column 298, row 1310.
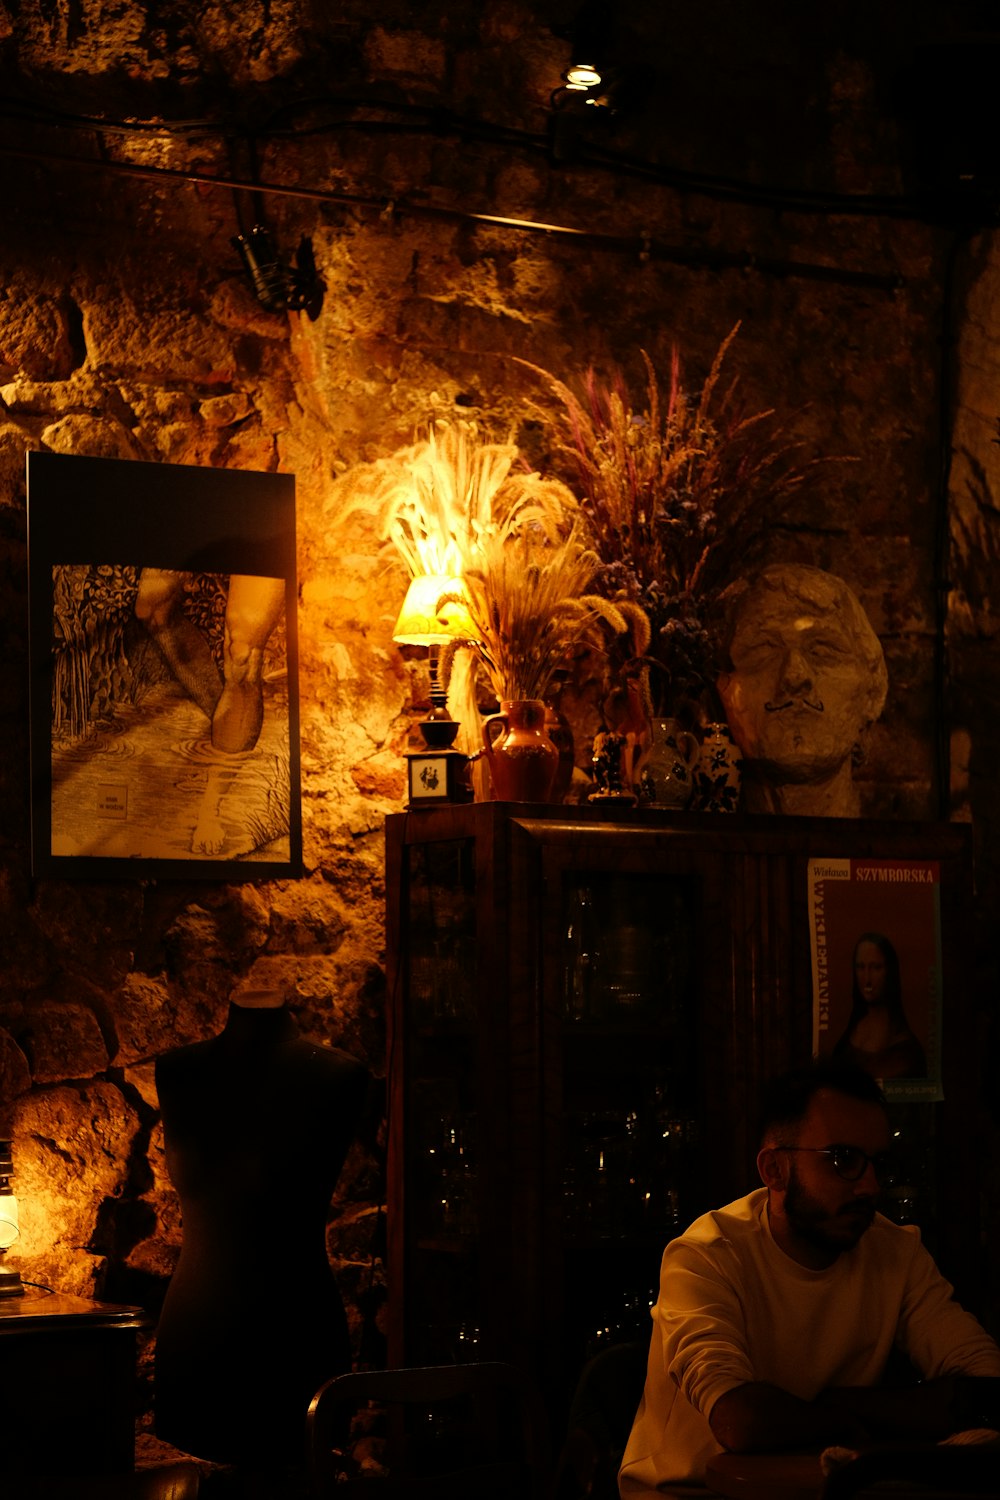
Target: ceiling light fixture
column 581, row 76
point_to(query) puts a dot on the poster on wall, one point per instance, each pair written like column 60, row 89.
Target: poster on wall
column 875, row 932
column 164, row 670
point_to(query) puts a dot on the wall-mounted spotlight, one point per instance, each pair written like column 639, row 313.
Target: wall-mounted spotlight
column 277, row 286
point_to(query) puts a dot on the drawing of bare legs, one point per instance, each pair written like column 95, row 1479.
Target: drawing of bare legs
column 210, row 835
column 253, row 609
column 232, row 701
column 159, row 606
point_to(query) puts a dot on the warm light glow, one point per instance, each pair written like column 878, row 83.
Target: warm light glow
column 422, row 623
column 582, row 76
column 9, row 1228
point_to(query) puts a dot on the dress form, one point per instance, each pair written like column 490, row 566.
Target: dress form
column 257, row 1123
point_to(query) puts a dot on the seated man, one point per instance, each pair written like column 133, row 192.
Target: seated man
column 777, row 1314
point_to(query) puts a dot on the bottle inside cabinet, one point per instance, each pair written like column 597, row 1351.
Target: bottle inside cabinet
column 628, row 955
column 436, row 1071
column 441, row 938
column 630, row 1072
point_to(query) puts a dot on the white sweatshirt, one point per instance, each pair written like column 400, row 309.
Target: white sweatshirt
column 734, row 1308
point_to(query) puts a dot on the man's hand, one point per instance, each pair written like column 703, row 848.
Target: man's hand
column 895, row 1414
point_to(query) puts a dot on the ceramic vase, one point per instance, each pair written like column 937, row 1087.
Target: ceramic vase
column 523, row 760
column 667, row 775
column 718, row 772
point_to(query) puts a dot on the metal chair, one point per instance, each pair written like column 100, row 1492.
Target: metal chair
column 439, row 1431
column 600, row 1419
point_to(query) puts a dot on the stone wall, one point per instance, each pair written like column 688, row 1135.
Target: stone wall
column 129, row 329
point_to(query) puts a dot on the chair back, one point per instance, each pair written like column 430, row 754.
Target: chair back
column 600, row 1419
column 475, row 1431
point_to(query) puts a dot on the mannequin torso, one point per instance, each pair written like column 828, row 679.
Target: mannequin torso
column 257, row 1123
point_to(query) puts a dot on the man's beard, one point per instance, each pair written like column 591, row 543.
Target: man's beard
column 817, row 1226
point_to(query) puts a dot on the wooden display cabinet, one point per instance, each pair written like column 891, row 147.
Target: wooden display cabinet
column 583, row 1008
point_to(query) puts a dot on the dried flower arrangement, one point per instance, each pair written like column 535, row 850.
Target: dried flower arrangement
column 433, row 500
column 529, row 597
column 674, row 493
column 456, row 504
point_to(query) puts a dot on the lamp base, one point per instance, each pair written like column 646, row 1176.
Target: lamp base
column 438, row 733
column 11, row 1284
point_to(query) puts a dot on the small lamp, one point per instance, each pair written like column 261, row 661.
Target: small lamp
column 437, row 773
column 423, row 623
column 10, row 1281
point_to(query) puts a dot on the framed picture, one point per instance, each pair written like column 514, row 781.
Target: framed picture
column 164, row 670
column 875, row 930
column 437, row 776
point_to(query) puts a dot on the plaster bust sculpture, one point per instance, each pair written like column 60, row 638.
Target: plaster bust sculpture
column 804, row 678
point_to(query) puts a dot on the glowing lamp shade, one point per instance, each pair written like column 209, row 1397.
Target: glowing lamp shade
column 9, row 1228
column 423, row 623
column 582, row 75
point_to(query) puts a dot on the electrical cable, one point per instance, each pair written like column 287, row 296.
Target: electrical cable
column 643, row 246
column 436, row 121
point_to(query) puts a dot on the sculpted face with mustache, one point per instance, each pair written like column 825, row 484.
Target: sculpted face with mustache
column 807, row 677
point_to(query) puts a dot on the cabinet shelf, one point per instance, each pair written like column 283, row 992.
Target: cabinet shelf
column 650, row 1244
column 444, row 1036
column 455, row 1245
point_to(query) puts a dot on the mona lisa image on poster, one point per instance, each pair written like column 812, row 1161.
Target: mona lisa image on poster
column 875, row 931
column 164, row 683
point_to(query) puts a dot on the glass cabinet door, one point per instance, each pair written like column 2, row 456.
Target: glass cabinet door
column 628, row 1040
column 434, row 1103
column 631, row 1017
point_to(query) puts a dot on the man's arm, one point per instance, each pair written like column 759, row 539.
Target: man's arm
column 758, row 1417
column 763, row 1418
column 936, row 1333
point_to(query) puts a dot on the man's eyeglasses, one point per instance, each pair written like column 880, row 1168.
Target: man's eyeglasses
column 850, row 1162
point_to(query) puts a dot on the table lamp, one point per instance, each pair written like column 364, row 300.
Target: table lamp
column 437, row 773
column 425, row 621
column 10, row 1281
